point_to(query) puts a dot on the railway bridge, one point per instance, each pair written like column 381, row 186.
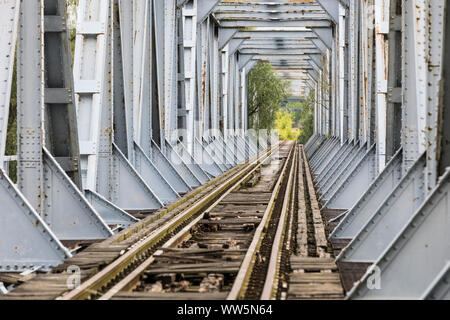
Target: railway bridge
column 138, row 176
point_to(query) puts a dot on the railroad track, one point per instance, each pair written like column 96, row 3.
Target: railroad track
column 254, row 233
column 196, row 254
column 312, row 273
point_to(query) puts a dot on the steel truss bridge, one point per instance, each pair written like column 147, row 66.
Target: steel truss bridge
column 155, row 106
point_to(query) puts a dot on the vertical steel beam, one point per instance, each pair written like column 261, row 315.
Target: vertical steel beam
column 382, row 11
column 394, row 106
column 90, row 69
column 170, row 109
column 60, row 114
column 367, row 114
column 43, row 182
column 142, row 55
column 30, row 102
column 124, row 120
column 354, row 82
column 9, row 21
column 414, row 80
column 343, row 80
column 190, row 72
column 435, row 76
column 444, row 128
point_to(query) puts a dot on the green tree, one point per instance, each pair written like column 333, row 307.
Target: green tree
column 296, row 109
column 266, row 92
column 283, row 124
column 307, row 119
column 11, row 136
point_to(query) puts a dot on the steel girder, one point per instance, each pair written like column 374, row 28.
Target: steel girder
column 181, row 167
column 327, row 164
column 152, row 175
column 9, row 17
column 168, row 170
column 328, row 190
column 320, row 22
column 311, row 141
column 389, row 218
column 124, row 132
column 372, row 198
column 280, row 8
column 101, row 159
column 27, row 241
column 276, row 36
column 190, row 71
column 383, row 240
column 262, row 14
column 314, row 145
column 394, row 101
column 320, row 165
column 41, row 178
column 422, row 134
column 415, row 264
column 353, row 186
column 110, row 213
column 345, row 150
column 338, row 167
column 331, row 7
column 201, row 155
column 49, row 206
column 439, row 289
column 332, row 144
column 189, row 160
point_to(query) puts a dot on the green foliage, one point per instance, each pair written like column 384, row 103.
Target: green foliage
column 295, row 108
column 307, row 119
column 266, row 92
column 11, row 136
column 283, row 124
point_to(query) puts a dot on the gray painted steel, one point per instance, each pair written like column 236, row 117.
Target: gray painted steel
column 348, row 169
column 333, row 165
column 371, row 200
column 26, row 239
column 190, row 162
column 330, row 154
column 180, row 166
column 152, row 176
column 320, row 172
column 167, row 170
column 439, row 288
column 385, row 223
column 202, row 156
column 109, row 212
column 9, row 20
column 352, row 187
column 131, row 192
column 66, row 210
column 417, row 254
column 340, row 166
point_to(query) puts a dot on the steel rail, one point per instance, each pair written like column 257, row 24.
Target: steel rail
column 130, row 281
column 142, row 229
column 240, row 284
column 131, row 260
column 272, row 277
